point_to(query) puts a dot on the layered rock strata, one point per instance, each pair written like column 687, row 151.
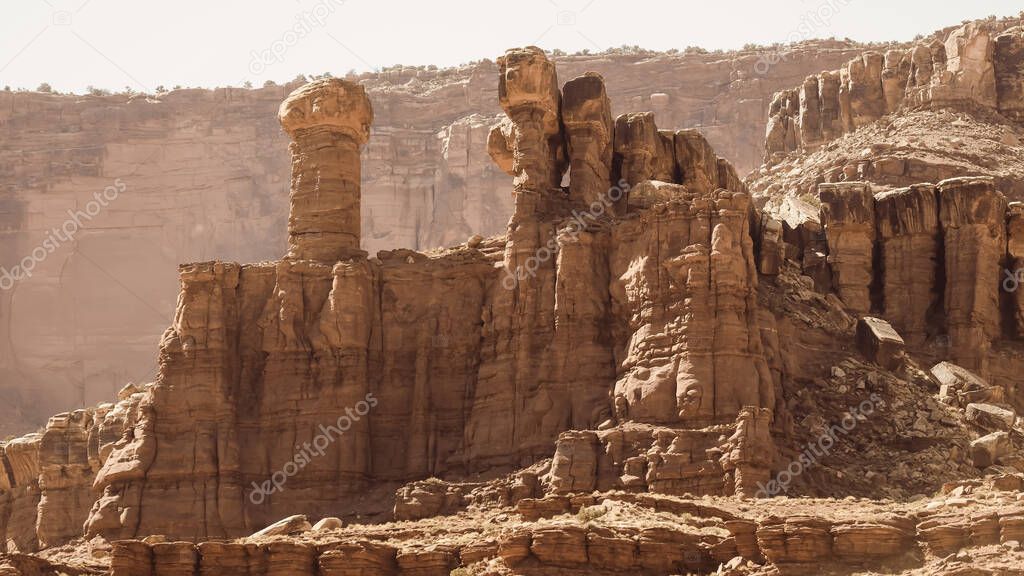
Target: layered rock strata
column 328, row 121
column 974, row 64
column 46, row 479
column 204, row 178
column 908, row 225
column 973, row 220
column 665, row 536
column 848, row 220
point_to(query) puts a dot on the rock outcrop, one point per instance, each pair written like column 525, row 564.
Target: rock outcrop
column 46, row 479
column 973, row 64
column 624, row 532
column 848, row 219
column 328, row 121
column 620, row 383
column 908, row 225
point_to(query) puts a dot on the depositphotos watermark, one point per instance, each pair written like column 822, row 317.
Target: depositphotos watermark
column 810, row 22
column 821, row 447
column 305, row 453
column 1013, row 279
column 58, row 236
column 306, row 22
column 573, row 230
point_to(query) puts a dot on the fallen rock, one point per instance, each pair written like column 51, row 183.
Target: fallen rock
column 297, row 523
column 985, row 451
column 991, row 417
column 879, row 342
column 329, row 523
column 426, row 498
column 961, row 386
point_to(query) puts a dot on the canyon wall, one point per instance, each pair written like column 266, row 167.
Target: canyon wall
column 938, row 261
column 151, row 181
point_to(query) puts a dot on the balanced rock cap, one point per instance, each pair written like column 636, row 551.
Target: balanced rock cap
column 527, row 77
column 330, row 102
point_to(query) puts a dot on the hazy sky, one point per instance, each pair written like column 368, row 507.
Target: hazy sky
column 146, row 43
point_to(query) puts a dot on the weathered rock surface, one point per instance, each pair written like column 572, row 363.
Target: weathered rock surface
column 622, row 533
column 908, row 222
column 972, row 214
column 328, row 121
column 618, row 342
column 930, row 258
column 991, row 417
column 848, row 219
column 962, row 387
column 46, row 479
column 988, row 449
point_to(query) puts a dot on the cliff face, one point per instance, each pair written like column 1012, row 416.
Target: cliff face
column 195, row 173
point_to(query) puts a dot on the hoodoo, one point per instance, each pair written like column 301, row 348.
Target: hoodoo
column 329, row 122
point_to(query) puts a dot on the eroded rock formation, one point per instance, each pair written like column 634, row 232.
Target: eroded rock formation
column 616, row 369
column 204, row 177
column 430, row 351
column 329, row 122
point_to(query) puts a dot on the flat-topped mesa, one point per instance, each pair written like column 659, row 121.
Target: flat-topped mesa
column 587, row 116
column 328, row 121
column 528, row 144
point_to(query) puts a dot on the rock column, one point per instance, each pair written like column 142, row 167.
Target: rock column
column 642, row 151
column 973, row 215
column 908, row 226
column 528, row 144
column 328, row 121
column 847, row 214
column 586, row 113
column 1012, row 277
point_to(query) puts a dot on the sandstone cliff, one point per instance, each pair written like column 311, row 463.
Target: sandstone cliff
column 622, row 318
column 203, row 175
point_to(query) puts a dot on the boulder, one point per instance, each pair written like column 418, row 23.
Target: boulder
column 879, row 342
column 991, row 417
column 960, row 386
column 987, row 450
column 330, row 523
